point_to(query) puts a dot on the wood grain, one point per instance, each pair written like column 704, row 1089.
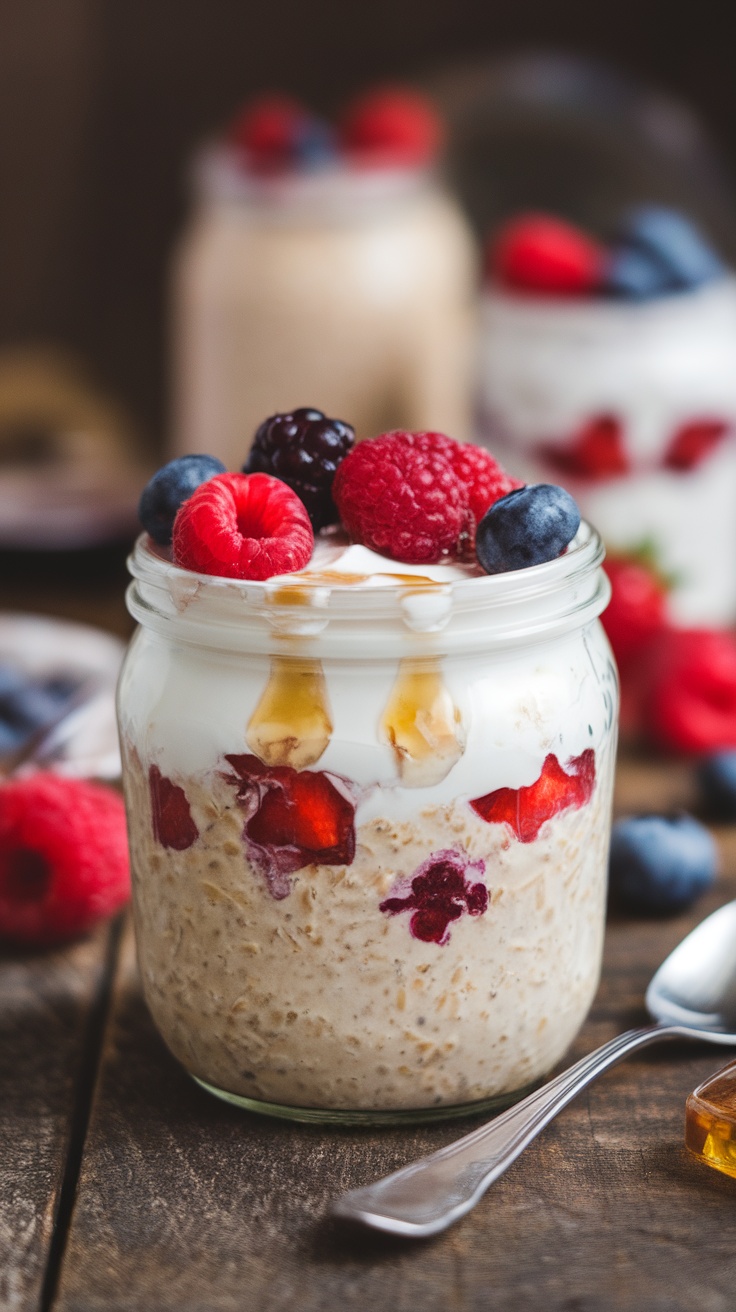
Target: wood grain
column 189, row 1205
column 47, row 1013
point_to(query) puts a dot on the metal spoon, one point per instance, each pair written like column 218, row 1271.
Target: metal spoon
column 692, row 996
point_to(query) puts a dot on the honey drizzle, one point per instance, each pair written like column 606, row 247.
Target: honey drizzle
column 291, row 724
column 422, row 724
column 710, row 1121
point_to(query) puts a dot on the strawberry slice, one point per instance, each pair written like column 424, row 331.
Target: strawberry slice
column 596, row 452
column 293, row 819
column 693, row 443
column 173, row 825
column 526, row 809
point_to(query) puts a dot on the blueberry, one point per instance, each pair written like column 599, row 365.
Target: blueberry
column 169, row 488
column 634, row 275
column 11, row 737
column 528, row 526
column 11, row 680
column 29, row 707
column 661, row 863
column 674, row 242
column 314, row 143
column 717, row 783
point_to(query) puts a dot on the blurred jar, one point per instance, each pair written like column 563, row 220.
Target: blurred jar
column 346, row 288
column 633, row 407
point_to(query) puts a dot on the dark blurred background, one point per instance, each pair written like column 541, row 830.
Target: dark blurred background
column 101, row 102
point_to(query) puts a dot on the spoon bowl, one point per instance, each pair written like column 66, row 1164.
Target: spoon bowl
column 691, row 996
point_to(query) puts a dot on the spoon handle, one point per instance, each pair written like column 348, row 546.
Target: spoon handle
column 427, row 1196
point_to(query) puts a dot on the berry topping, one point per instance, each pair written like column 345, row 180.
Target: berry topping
column 633, row 275
column 637, row 611
column 303, row 448
column 243, row 526
column 169, row 488
column 173, row 825
column 688, row 692
column 438, row 893
column 293, row 819
column 717, row 785
column 694, row 442
column 277, row 133
column 538, row 253
column 63, row 857
column 596, row 451
column 672, row 243
column 393, row 126
column 531, row 525
column 482, row 477
column 401, row 499
column 661, row 863
column 526, row 809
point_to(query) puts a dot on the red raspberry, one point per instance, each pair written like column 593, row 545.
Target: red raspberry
column 266, row 129
column 525, row 810
column 243, row 526
column 63, row 857
column 637, row 610
column 693, row 442
column 401, row 499
column 475, row 467
column 393, row 125
column 596, row 452
column 538, row 253
column 688, row 700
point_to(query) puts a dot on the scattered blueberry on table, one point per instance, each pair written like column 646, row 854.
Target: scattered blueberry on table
column 660, row 864
column 716, row 779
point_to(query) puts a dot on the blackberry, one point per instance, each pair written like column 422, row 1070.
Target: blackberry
column 303, row 449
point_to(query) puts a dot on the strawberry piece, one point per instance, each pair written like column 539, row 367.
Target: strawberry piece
column 637, row 610
column 538, row 253
column 401, row 497
column 526, row 809
column 393, row 126
column 173, row 825
column 688, row 700
column 63, row 857
column 596, row 451
column 439, row 892
column 243, row 526
column 693, row 443
column 293, row 819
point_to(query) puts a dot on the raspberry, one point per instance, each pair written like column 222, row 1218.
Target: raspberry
column 173, row 825
column 393, row 125
column 243, row 526
column 401, row 499
column 303, row 449
column 537, row 253
column 525, row 810
column 596, row 451
column 441, row 890
column 481, row 475
column 293, row 819
column 63, row 857
column 693, row 443
column 276, row 132
column 688, row 700
column 637, row 610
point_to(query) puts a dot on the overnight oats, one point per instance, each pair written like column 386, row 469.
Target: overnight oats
column 329, row 265
column 613, row 371
column 369, row 798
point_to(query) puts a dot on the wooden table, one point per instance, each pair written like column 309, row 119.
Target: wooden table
column 124, row 1186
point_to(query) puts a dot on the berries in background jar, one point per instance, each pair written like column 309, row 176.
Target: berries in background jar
column 693, row 442
column 597, row 451
column 243, row 526
column 542, row 254
column 527, row 527
column 401, row 499
column 392, row 126
column 688, row 690
column 637, row 611
column 660, row 864
column 303, row 448
column 63, row 857
column 169, row 488
column 671, row 243
column 277, row 133
column 716, row 779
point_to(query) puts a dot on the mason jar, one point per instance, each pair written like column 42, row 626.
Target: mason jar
column 632, row 406
column 350, row 288
column 369, row 824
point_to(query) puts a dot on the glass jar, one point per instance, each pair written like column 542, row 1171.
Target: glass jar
column 369, row 825
column 351, row 287
column 633, row 408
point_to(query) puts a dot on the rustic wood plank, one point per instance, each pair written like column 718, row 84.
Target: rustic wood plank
column 48, row 1011
column 189, row 1205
